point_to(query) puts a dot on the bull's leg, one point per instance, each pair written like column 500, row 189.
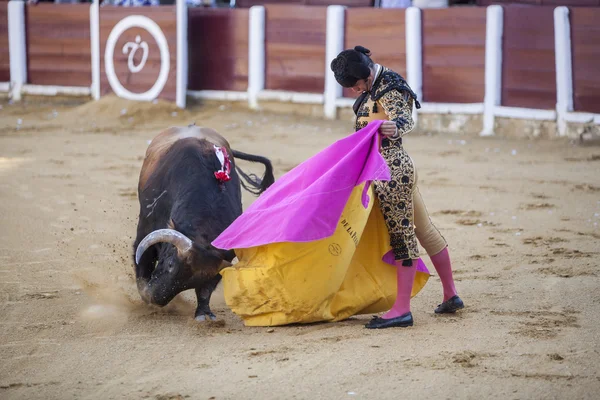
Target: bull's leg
column 203, row 294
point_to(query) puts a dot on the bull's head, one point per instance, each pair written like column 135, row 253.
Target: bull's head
column 179, row 267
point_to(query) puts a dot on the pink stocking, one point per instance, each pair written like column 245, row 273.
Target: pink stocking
column 441, row 262
column 405, row 277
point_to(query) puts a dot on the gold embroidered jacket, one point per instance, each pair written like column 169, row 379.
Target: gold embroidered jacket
column 390, row 99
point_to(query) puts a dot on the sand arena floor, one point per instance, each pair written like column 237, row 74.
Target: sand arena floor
column 521, row 218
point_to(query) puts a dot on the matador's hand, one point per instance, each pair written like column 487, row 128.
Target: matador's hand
column 388, row 128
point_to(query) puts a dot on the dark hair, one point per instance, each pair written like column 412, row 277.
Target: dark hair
column 351, row 66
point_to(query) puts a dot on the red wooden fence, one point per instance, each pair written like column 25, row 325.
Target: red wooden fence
column 585, row 42
column 528, row 62
column 58, row 44
column 58, row 49
column 295, row 47
column 4, row 56
column 454, row 55
column 218, row 49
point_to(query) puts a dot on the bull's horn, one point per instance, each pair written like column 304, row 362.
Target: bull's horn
column 177, row 239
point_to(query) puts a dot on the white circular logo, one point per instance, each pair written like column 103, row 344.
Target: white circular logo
column 146, row 23
column 132, row 48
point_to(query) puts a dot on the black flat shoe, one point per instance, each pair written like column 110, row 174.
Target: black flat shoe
column 381, row 323
column 450, row 306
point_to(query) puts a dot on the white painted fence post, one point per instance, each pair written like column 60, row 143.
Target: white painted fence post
column 182, row 53
column 564, row 70
column 493, row 66
column 95, row 48
column 17, row 47
column 256, row 55
column 414, row 55
column 334, row 45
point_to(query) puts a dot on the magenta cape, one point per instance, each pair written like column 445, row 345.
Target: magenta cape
column 306, row 203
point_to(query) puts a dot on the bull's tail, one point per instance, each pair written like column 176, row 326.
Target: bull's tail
column 253, row 183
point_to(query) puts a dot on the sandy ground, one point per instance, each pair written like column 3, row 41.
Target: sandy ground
column 521, row 218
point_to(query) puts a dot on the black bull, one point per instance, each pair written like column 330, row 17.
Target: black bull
column 183, row 208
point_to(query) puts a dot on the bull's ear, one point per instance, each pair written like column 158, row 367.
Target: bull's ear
column 171, row 224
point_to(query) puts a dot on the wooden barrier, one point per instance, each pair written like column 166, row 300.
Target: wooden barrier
column 454, row 55
column 347, row 3
column 528, row 61
column 58, row 44
column 4, row 55
column 134, row 72
column 295, row 48
column 585, row 44
column 385, row 38
column 218, row 49
column 578, row 3
column 136, row 55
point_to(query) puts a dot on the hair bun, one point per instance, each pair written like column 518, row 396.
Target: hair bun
column 363, row 50
column 338, row 65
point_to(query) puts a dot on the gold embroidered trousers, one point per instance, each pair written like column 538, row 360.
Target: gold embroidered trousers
column 403, row 209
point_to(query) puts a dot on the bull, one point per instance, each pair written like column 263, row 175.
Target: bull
column 187, row 198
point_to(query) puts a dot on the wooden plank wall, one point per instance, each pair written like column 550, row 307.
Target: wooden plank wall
column 585, row 47
column 556, row 3
column 528, row 64
column 58, row 44
column 166, row 18
column 385, row 39
column 250, row 3
column 218, row 49
column 347, row 3
column 295, row 48
column 4, row 55
column 454, row 55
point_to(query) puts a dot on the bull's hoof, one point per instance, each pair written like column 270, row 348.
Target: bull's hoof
column 202, row 317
